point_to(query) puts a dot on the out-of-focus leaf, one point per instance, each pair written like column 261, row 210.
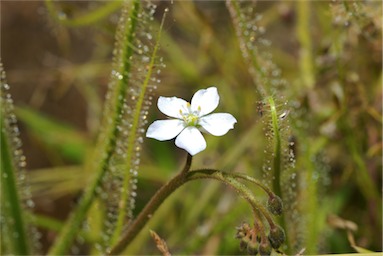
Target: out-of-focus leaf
column 57, row 182
column 65, row 139
column 85, row 19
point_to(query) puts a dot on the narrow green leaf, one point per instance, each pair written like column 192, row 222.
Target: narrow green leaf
column 86, row 19
column 65, row 139
column 13, row 224
column 107, row 140
column 133, row 136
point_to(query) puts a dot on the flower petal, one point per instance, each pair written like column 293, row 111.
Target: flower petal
column 165, row 129
column 191, row 140
column 218, row 124
column 171, row 106
column 205, row 100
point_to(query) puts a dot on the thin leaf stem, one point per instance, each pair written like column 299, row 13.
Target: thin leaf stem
column 250, row 56
column 132, row 137
column 303, row 35
column 277, row 148
column 11, row 204
column 67, row 234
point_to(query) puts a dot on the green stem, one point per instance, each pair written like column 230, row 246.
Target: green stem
column 150, row 208
column 310, row 203
column 303, row 35
column 182, row 178
column 11, row 204
column 230, row 179
column 254, row 181
column 71, row 227
column 277, row 164
column 249, row 54
column 277, row 148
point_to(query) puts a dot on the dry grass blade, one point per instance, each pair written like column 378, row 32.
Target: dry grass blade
column 160, row 243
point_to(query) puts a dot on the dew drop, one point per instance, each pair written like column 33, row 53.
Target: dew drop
column 98, row 246
column 30, row 203
column 145, row 59
column 62, row 16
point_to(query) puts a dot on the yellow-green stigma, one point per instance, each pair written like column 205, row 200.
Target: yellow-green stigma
column 190, row 118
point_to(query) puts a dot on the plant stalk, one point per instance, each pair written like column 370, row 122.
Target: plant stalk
column 182, row 178
column 145, row 215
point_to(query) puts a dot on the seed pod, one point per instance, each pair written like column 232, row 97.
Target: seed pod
column 264, row 248
column 275, row 205
column 277, row 237
column 252, row 247
column 243, row 244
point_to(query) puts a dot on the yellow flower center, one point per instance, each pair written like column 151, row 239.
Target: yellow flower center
column 190, row 118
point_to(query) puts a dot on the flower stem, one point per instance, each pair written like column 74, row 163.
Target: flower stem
column 158, row 198
column 187, row 164
column 231, row 180
column 254, row 181
column 185, row 176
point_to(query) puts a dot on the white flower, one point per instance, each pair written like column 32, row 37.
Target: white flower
column 190, row 119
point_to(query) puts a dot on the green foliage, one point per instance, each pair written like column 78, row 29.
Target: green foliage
column 12, row 162
column 303, row 79
column 69, row 142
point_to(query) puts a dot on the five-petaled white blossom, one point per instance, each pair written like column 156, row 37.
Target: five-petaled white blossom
column 190, row 119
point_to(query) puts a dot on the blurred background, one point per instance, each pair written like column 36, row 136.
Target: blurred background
column 59, row 70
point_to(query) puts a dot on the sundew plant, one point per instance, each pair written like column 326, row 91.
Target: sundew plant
column 191, row 127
